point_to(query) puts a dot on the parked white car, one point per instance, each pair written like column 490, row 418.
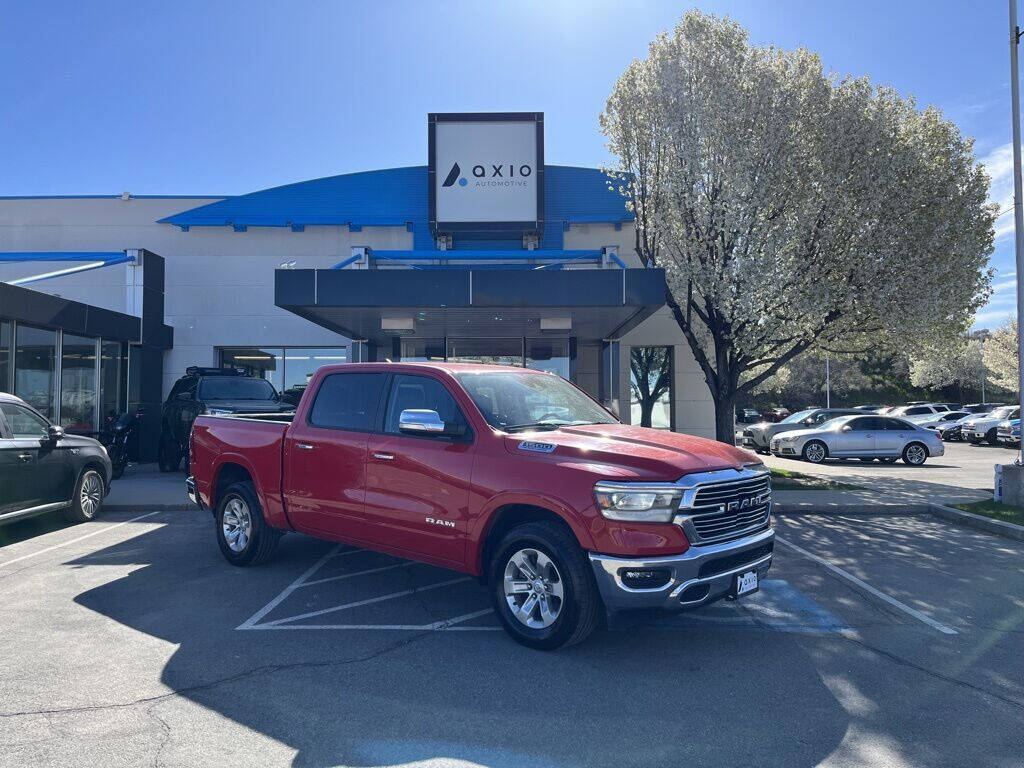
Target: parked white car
column 862, row 437
column 983, row 427
column 918, row 409
column 936, row 420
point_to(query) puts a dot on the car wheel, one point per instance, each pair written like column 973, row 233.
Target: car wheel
column 242, row 533
column 815, row 452
column 168, row 455
column 88, row 497
column 543, row 587
column 990, row 437
column 915, row 454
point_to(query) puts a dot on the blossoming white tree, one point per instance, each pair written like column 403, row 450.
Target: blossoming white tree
column 791, row 209
column 959, row 362
column 1001, row 356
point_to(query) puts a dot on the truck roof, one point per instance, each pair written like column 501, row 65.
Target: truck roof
column 436, row 365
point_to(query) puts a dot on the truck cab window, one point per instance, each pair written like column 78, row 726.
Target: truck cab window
column 347, row 401
column 415, row 392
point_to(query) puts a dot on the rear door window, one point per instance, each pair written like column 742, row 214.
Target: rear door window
column 348, row 401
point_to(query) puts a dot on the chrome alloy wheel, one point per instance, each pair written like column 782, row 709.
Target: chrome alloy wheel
column 916, row 454
column 533, row 588
column 237, row 525
column 815, row 453
column 91, row 495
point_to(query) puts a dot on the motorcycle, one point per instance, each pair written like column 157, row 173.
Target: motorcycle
column 116, row 438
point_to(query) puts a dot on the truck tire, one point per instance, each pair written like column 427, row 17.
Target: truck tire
column 991, row 438
column 242, row 533
column 88, row 497
column 543, row 560
column 168, row 455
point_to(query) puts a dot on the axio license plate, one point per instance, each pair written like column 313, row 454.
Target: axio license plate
column 746, row 583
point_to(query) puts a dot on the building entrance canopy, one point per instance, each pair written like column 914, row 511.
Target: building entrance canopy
column 378, row 305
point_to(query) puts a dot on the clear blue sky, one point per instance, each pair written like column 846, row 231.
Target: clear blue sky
column 211, row 97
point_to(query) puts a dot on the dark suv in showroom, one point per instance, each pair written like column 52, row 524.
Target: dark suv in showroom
column 42, row 469
column 212, row 391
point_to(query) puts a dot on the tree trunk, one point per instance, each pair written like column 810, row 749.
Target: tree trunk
column 725, row 417
column 646, row 410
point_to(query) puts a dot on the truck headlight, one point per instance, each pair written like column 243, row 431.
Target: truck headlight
column 637, row 503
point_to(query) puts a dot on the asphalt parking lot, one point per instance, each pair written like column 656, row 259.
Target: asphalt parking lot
column 877, row 641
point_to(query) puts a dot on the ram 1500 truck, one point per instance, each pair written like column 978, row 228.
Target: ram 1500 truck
column 512, row 475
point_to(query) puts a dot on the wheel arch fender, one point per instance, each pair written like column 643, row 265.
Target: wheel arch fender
column 507, row 509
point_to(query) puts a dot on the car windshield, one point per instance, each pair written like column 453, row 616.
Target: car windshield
column 236, row 388
column 513, row 401
column 1002, row 413
column 794, row 418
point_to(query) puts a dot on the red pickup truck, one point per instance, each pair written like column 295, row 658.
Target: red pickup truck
column 512, row 475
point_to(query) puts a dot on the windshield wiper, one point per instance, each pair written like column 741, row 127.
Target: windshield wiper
column 538, row 425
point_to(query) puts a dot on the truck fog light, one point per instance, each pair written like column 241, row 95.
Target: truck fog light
column 644, row 578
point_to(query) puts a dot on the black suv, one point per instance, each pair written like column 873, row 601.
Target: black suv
column 212, row 391
column 42, row 469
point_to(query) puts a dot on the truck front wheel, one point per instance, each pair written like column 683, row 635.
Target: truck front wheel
column 242, row 533
column 543, row 587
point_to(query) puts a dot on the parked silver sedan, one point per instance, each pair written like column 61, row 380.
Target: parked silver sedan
column 862, row 437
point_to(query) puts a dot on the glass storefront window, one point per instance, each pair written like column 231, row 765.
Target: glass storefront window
column 422, row 350
column 6, row 331
column 78, row 383
column 35, row 367
column 301, row 364
column 256, row 361
column 112, row 369
column 650, row 386
column 550, row 355
column 490, row 351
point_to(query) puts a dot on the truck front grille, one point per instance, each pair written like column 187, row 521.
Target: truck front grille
column 729, row 510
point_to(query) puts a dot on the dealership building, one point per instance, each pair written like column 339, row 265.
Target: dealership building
column 485, row 253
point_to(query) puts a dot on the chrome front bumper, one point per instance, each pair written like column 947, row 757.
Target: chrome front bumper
column 190, row 489
column 690, row 585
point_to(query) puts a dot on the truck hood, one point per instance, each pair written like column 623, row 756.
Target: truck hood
column 250, row 406
column 630, row 453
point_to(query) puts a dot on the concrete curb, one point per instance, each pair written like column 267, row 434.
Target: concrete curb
column 982, row 523
column 848, row 508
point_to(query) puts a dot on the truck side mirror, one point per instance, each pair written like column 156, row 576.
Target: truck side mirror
column 423, row 421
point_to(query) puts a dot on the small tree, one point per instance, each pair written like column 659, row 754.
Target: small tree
column 790, row 209
column 957, row 363
column 651, row 371
column 1000, row 353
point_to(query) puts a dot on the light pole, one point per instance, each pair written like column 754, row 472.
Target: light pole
column 828, row 384
column 1018, row 201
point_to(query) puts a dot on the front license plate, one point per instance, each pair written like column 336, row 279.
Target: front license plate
column 746, row 583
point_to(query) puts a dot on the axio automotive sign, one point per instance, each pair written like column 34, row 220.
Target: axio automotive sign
column 486, row 171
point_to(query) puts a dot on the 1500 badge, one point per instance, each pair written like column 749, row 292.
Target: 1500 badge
column 445, row 523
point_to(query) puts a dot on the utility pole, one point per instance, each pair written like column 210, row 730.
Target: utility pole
column 1018, row 201
column 828, row 384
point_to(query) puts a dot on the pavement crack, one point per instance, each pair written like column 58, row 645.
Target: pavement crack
column 266, row 669
column 907, row 663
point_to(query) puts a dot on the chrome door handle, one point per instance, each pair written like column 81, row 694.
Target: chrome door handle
column 25, row 456
column 305, row 446
column 384, row 456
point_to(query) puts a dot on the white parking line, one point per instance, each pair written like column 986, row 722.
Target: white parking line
column 868, row 588
column 248, row 623
column 357, row 573
column 368, row 601
column 80, row 538
column 447, row 625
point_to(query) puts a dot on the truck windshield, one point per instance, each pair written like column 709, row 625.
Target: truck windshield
column 236, row 388
column 513, row 401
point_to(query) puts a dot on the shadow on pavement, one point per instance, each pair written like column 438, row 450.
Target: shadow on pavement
column 647, row 696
